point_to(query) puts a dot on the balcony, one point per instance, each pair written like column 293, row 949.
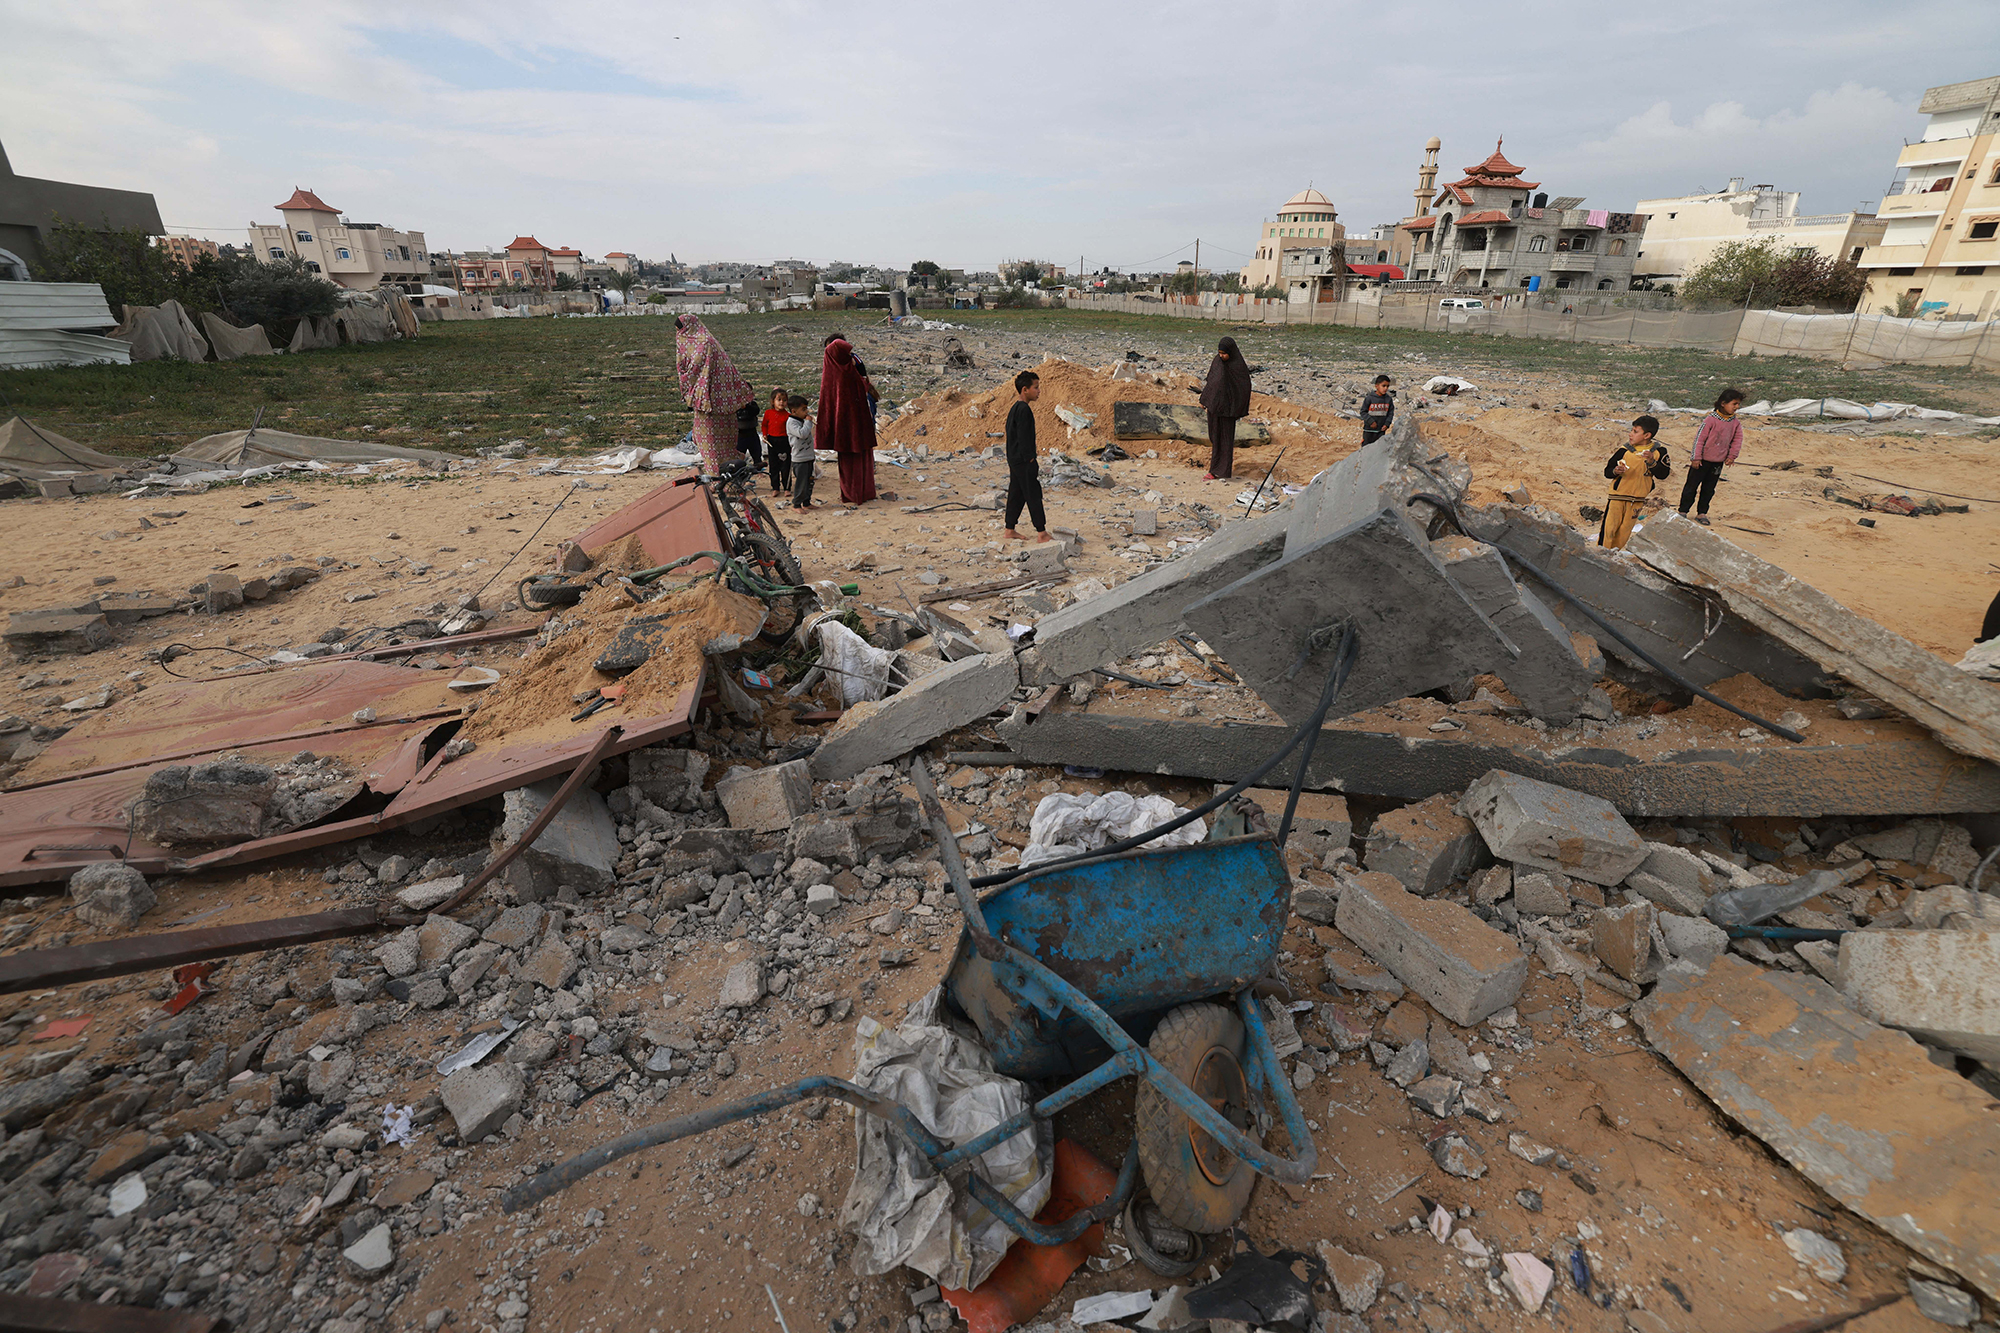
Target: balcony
column 1894, row 256
column 1569, row 261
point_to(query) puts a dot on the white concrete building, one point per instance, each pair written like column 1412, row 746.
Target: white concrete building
column 1306, row 221
column 1939, row 256
column 360, row 255
column 1682, row 231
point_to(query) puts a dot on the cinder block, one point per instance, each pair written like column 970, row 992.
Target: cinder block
column 1940, row 985
column 872, row 733
column 1539, row 824
column 1465, row 968
column 767, row 799
column 224, row 593
column 1426, row 845
column 579, row 848
column 1622, row 939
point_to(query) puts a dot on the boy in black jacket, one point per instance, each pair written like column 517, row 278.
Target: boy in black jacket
column 1378, row 410
column 1024, row 482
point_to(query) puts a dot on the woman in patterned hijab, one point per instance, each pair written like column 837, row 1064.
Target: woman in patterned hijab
column 713, row 391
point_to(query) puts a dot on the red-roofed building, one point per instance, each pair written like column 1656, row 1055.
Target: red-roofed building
column 1492, row 229
column 620, row 261
column 524, row 265
column 358, row 255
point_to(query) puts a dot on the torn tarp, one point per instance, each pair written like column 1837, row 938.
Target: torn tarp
column 902, row 1212
column 1065, row 825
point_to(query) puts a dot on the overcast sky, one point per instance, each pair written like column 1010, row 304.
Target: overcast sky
column 891, row 132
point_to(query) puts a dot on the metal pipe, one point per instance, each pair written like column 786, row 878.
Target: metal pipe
column 578, row 775
column 36, row 969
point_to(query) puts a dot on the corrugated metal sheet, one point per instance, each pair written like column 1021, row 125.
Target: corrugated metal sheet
column 54, row 305
column 31, row 349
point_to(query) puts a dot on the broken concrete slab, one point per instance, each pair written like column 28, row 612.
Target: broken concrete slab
column 767, row 799
column 1321, row 824
column 1427, row 846
column 1147, row 610
column 1547, row 674
column 1901, row 768
column 1540, row 824
column 1857, row 1107
column 1658, row 614
column 1465, row 968
column 1942, row 986
column 1415, row 630
column 1697, row 940
column 1376, row 477
column 131, row 608
column 225, row 800
column 1043, row 558
column 1961, row 709
column 1541, row 893
column 1174, row 421
column 873, row 733
column 1622, row 939
column 32, row 634
column 669, row 776
column 1674, row 878
column 579, row 848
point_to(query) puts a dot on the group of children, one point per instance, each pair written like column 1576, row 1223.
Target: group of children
column 1642, row 460
column 781, row 443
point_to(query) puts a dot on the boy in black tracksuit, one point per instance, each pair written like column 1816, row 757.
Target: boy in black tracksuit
column 1378, row 410
column 1024, row 482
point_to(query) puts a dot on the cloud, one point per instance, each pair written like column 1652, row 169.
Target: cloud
column 897, row 130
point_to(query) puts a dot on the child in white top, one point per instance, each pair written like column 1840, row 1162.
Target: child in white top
column 799, row 433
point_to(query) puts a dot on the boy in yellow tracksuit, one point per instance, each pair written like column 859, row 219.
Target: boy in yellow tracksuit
column 1632, row 472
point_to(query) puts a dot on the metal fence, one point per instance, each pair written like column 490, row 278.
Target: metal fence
column 1844, row 338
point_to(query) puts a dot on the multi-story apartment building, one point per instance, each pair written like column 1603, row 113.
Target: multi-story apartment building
column 360, row 255
column 1491, row 229
column 1939, row 255
column 1682, row 231
column 526, row 263
column 184, row 250
column 1305, row 222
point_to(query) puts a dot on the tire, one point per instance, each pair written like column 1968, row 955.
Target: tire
column 1203, row 1190
column 761, row 520
column 773, row 562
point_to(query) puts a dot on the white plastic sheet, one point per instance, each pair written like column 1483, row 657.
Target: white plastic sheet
column 901, row 1212
column 859, row 669
column 1064, row 825
column 1439, row 383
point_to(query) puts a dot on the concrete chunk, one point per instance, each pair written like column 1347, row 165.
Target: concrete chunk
column 956, row 696
column 1147, row 610
column 578, row 849
column 742, row 986
column 1546, row 675
column 1427, row 846
column 440, row 938
column 481, row 1097
column 223, row 592
column 111, row 895
column 1173, row 421
column 668, row 775
column 1697, row 940
column 1320, row 823
column 1538, row 824
column 1858, row 1108
column 1622, row 939
column 1541, row 893
column 1963, row 710
column 41, row 633
column 767, row 799
column 1462, row 966
column 1941, row 985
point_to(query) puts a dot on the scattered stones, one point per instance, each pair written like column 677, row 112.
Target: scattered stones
column 372, row 1254
column 1456, row 1155
column 482, row 1097
column 742, row 986
column 111, row 895
column 1357, row 1279
column 1942, row 1304
column 1817, row 1253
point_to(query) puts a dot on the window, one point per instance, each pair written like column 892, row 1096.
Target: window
column 311, row 267
column 305, row 236
column 1972, row 270
column 1618, row 246
column 1562, row 282
column 1902, row 272
column 496, row 272
column 277, row 252
column 1604, row 284
column 1538, row 244
column 1994, row 178
column 1981, row 231
column 342, row 253
column 1673, row 215
column 1853, row 256
column 517, row 275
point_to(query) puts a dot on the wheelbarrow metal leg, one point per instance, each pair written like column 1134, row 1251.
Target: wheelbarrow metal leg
column 1059, row 1233
column 1118, row 1066
column 561, row 1177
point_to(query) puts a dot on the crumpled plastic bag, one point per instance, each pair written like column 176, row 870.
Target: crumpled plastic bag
column 898, row 1209
column 1064, row 825
column 859, row 669
column 396, row 1127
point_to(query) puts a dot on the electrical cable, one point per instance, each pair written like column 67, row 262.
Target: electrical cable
column 524, row 545
column 187, row 648
column 1336, row 679
column 1590, row 613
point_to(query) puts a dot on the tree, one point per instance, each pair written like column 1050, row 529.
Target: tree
column 566, row 282
column 274, row 293
column 622, row 281
column 1767, row 273
column 1905, row 307
column 130, row 268
column 1024, row 274
column 924, row 268
column 1181, row 284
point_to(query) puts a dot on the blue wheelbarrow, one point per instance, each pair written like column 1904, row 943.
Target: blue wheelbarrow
column 1128, row 963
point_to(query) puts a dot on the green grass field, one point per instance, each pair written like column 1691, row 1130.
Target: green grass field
column 497, row 380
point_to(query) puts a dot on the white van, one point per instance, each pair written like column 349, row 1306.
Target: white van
column 1461, row 303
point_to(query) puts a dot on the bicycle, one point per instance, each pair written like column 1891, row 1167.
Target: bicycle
column 755, row 539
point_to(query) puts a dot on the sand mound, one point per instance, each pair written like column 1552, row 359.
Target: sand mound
column 536, row 702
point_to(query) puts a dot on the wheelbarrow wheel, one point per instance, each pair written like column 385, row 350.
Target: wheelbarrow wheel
column 1195, row 1182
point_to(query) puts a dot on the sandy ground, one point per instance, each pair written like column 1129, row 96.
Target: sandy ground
column 1661, row 1194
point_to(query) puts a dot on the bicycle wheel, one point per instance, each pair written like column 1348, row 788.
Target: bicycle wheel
column 760, row 520
column 773, row 562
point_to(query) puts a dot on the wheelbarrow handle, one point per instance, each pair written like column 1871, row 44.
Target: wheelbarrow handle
column 991, row 949
column 561, row 1176
column 1059, row 1233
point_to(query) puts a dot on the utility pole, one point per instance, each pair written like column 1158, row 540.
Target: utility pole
column 1197, row 270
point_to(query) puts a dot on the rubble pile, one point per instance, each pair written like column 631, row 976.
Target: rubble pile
column 1563, row 805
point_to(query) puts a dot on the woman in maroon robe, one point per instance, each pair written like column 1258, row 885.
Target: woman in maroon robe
column 845, row 424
